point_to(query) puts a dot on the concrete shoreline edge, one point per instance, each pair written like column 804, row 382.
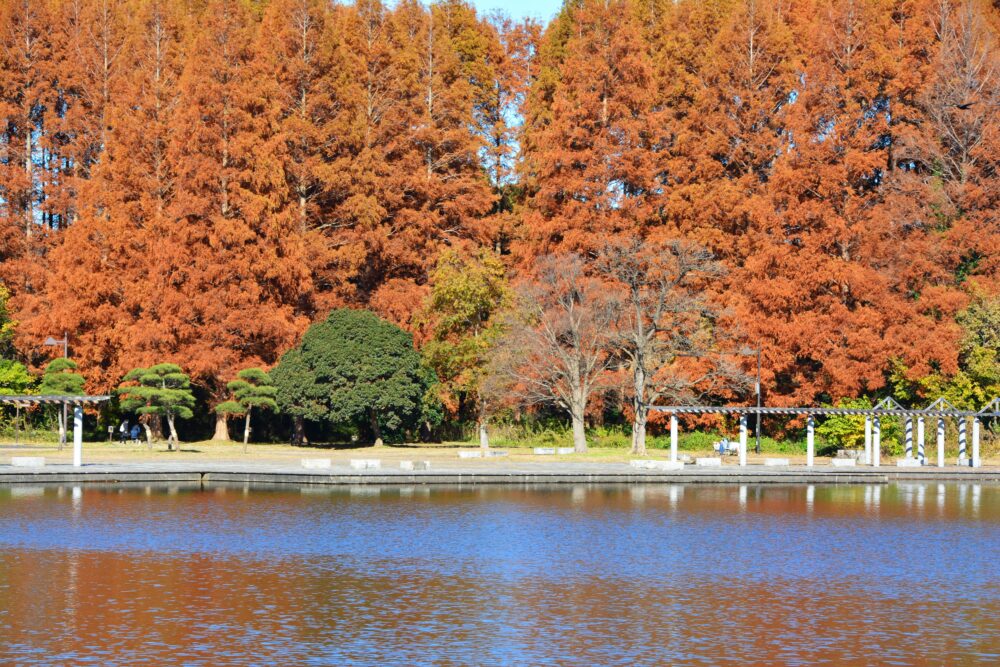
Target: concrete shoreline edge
column 521, row 475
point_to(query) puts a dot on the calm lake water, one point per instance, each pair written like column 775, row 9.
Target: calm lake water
column 598, row 575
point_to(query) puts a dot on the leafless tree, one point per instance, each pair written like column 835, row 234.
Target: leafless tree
column 556, row 347
column 663, row 321
column 963, row 100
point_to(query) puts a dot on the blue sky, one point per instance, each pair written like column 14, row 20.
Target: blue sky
column 540, row 9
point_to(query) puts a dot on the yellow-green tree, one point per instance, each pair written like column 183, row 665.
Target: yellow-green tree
column 467, row 292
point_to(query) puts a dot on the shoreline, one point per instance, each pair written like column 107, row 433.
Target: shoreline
column 499, row 474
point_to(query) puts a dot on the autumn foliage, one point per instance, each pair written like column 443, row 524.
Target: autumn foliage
column 198, row 182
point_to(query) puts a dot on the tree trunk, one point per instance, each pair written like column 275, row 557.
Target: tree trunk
column 246, row 431
column 639, row 407
column 149, row 435
column 376, row 429
column 155, row 425
column 299, row 430
column 221, row 429
column 579, row 433
column 173, row 433
column 639, row 432
column 484, row 436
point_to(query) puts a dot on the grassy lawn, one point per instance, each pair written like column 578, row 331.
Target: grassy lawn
column 603, row 448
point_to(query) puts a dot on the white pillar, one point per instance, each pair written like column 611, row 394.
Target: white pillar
column 77, row 435
column 673, row 436
column 940, row 442
column 876, row 442
column 868, row 440
column 920, row 441
column 810, row 440
column 962, row 452
column 909, row 437
column 975, row 444
column 743, row 440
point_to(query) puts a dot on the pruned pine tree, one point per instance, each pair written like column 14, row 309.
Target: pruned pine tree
column 60, row 378
column 160, row 391
column 253, row 389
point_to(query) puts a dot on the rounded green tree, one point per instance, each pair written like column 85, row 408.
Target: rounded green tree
column 355, row 368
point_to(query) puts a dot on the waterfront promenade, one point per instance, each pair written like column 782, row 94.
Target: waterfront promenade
column 477, row 472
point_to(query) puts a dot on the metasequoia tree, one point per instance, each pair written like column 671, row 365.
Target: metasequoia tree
column 663, row 314
column 299, row 48
column 593, row 168
column 508, row 49
column 818, row 257
column 231, row 265
column 99, row 281
column 463, row 314
column 26, row 99
column 556, row 347
column 252, row 389
column 408, row 176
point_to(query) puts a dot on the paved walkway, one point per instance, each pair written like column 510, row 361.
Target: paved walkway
column 484, row 472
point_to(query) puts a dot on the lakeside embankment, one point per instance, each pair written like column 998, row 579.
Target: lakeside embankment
column 282, row 464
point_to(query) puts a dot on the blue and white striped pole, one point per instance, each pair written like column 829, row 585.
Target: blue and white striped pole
column 909, row 437
column 962, row 425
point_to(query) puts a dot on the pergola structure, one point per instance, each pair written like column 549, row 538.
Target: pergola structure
column 940, row 410
column 77, row 402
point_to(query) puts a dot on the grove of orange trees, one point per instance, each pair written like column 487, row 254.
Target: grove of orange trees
column 197, row 181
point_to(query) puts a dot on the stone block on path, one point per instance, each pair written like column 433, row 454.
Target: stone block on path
column 776, row 462
column 541, row 451
column 415, row 465
column 908, row 463
column 366, row 464
column 495, row 452
column 27, row 461
column 315, row 464
column 709, row 462
column 843, row 463
column 470, row 455
column 565, row 450
column 656, row 465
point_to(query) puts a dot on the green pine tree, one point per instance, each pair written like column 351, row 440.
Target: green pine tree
column 163, row 390
column 253, row 389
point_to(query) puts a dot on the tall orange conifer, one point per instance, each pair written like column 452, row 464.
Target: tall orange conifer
column 99, row 276
column 593, row 166
column 231, row 267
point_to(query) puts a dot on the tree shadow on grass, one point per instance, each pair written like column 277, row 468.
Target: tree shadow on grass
column 344, row 446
